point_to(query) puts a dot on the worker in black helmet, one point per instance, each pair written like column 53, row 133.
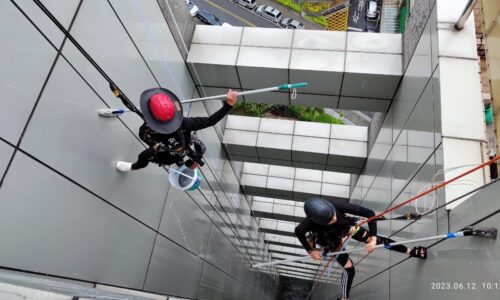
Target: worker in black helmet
column 326, row 223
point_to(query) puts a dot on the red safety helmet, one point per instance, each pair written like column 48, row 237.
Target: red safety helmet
column 162, row 110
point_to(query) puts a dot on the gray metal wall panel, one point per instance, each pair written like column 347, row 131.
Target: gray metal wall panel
column 66, row 231
column 219, row 247
column 146, row 24
column 63, row 11
column 173, row 270
column 463, row 263
column 5, row 154
column 211, row 283
column 413, row 83
column 377, row 288
column 231, row 289
column 67, row 134
column 460, row 268
column 184, row 222
column 25, row 57
column 100, row 33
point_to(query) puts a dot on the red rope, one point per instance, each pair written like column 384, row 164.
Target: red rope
column 404, row 203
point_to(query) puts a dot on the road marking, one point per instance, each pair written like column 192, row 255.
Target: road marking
column 355, row 17
column 230, row 13
column 354, row 29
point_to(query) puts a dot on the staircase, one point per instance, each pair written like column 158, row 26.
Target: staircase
column 389, row 21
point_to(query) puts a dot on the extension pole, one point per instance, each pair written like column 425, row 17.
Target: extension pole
column 437, row 237
column 264, row 90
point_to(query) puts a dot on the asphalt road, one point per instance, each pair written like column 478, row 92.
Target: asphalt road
column 232, row 13
column 357, row 15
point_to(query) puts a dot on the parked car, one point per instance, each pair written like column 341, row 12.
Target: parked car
column 270, row 13
column 291, row 24
column 246, row 3
column 208, row 18
column 372, row 10
column 193, row 9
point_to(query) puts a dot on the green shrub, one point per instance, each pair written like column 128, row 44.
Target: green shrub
column 251, row 109
column 321, row 20
column 291, row 4
column 301, row 113
column 313, row 114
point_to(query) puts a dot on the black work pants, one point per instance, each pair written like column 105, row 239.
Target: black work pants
column 360, row 235
column 149, row 155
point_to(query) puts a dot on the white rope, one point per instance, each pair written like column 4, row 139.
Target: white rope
column 434, row 195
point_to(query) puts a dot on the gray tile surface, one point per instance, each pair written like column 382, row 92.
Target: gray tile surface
column 312, row 129
column 214, row 59
column 88, row 145
column 218, row 247
column 79, row 237
column 111, row 247
column 6, row 152
column 146, row 24
column 364, row 104
column 206, row 34
column 310, row 149
column 262, row 67
column 267, row 37
column 173, row 270
column 62, row 11
column 275, row 146
column 92, row 28
column 276, row 126
column 211, row 283
column 242, row 123
column 241, row 143
column 272, row 97
column 319, row 40
column 326, row 101
column 185, row 223
column 21, row 78
column 370, row 85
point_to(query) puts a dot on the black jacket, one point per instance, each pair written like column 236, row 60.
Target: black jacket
column 182, row 137
column 333, row 233
column 177, row 144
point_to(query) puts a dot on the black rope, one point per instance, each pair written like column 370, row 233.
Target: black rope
column 126, row 101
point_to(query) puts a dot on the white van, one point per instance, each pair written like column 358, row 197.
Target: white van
column 270, row 13
column 372, row 10
column 247, row 3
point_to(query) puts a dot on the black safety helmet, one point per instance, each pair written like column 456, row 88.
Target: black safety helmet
column 319, row 210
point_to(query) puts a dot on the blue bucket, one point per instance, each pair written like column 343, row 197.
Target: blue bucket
column 190, row 181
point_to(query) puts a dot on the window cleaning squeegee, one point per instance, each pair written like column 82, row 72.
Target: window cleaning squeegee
column 114, row 112
column 490, row 233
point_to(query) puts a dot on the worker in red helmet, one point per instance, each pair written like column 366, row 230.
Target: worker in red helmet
column 168, row 134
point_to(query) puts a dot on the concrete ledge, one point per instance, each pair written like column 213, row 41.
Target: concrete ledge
column 298, row 144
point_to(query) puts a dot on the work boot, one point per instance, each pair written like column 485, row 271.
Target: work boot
column 124, row 166
column 419, row 252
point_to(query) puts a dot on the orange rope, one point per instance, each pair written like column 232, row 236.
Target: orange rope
column 404, row 203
